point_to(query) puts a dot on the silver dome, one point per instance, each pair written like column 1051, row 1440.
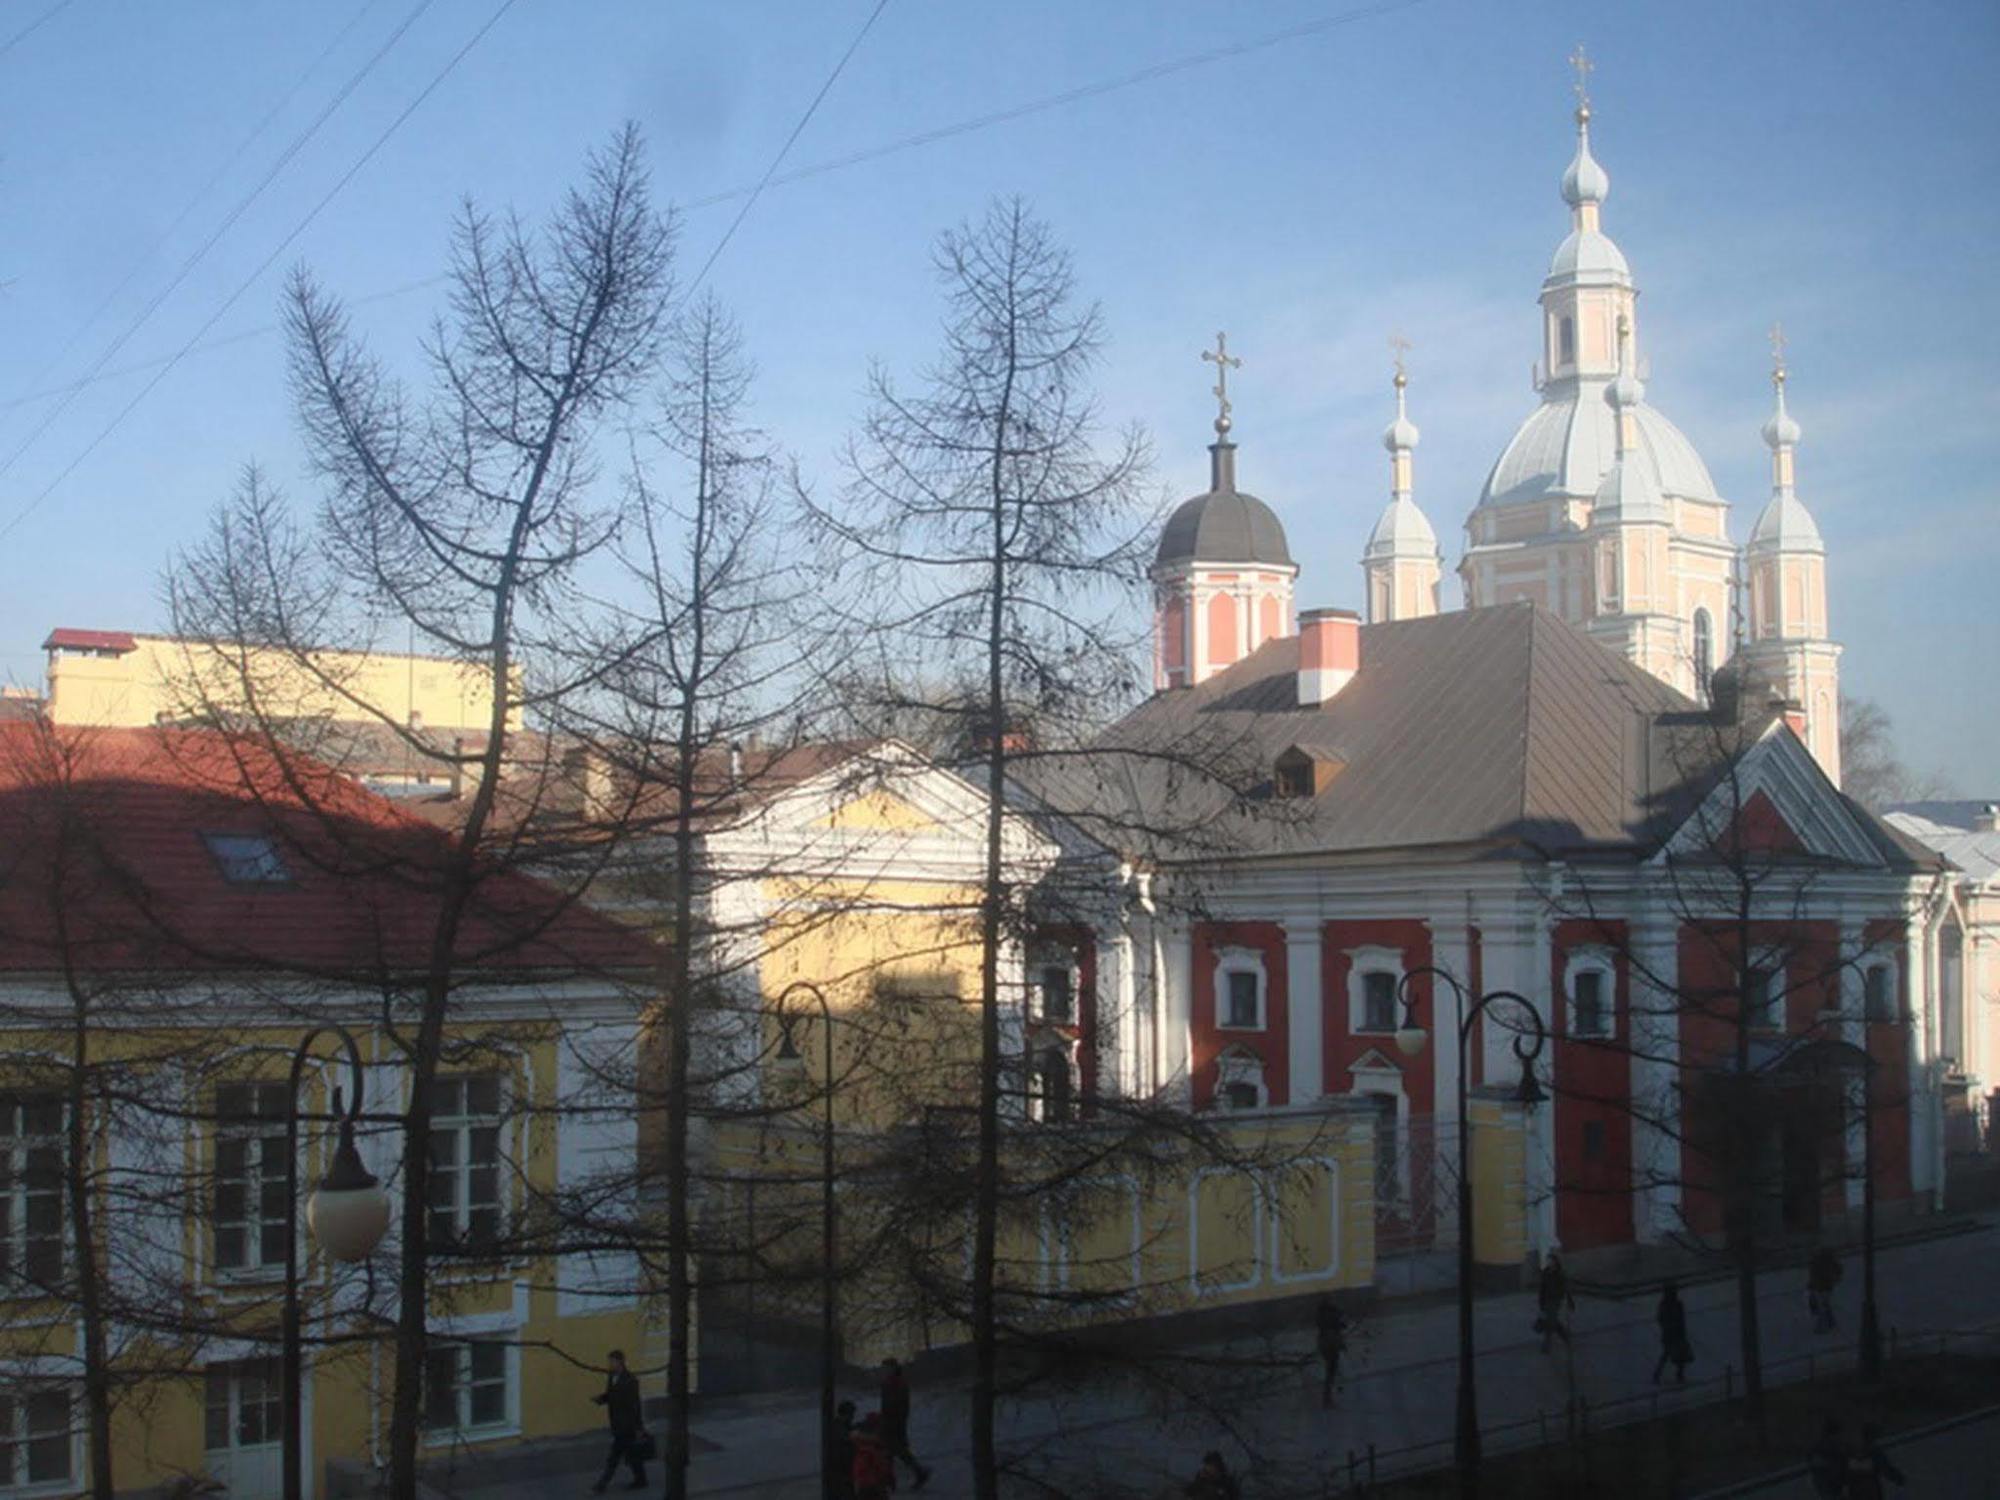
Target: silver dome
column 1569, row 443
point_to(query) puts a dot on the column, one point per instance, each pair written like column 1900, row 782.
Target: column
column 1305, row 1013
column 1655, row 1029
column 1173, row 1047
column 1451, row 950
column 1114, row 1013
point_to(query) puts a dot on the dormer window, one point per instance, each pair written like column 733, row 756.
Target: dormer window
column 248, row 858
column 1294, row 778
column 1302, row 772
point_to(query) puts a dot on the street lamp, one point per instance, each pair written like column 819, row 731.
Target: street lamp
column 792, row 1064
column 1410, row 1038
column 348, row 1214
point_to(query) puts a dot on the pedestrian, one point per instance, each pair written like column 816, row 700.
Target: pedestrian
column 630, row 1443
column 896, row 1421
column 1332, row 1341
column 1869, row 1466
column 840, row 1452
column 1675, row 1349
column 1213, row 1481
column 1553, row 1299
column 873, row 1474
column 1822, row 1276
column 1826, row 1462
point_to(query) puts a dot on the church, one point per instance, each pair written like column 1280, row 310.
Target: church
column 1608, row 784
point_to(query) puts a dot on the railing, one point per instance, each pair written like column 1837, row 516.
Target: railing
column 1579, row 1418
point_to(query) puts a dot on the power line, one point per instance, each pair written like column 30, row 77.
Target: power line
column 33, row 26
column 145, row 256
column 200, row 252
column 264, row 265
column 834, row 164
column 804, row 119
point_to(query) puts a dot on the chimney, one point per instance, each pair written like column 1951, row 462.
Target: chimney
column 1987, row 819
column 1329, row 653
column 1793, row 713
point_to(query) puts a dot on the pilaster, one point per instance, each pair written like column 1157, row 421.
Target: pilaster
column 1305, row 1014
column 1655, row 1030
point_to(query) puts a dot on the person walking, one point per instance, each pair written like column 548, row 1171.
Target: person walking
column 1331, row 1337
column 873, row 1473
column 1213, row 1481
column 1675, row 1349
column 1826, row 1462
column 896, row 1421
column 1553, row 1299
column 1869, row 1466
column 620, row 1400
column 1822, row 1276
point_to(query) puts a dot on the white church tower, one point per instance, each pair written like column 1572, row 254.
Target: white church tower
column 1788, row 652
column 1401, row 565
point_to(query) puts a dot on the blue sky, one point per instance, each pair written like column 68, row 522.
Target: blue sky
column 1830, row 166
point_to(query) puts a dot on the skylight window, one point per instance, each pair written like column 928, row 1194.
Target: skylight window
column 248, row 858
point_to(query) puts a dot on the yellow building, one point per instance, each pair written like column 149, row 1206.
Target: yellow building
column 116, row 678
column 232, row 930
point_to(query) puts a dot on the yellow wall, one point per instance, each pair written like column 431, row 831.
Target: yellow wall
column 1499, row 1179
column 163, row 675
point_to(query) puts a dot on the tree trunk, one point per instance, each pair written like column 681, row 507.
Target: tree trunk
column 89, row 1292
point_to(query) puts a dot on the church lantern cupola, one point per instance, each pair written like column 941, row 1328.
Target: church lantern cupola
column 1222, row 579
column 1789, row 654
column 1402, row 563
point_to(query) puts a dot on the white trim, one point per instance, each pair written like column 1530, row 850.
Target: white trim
column 1255, row 1237
column 1332, row 1268
column 1590, row 959
column 1363, row 961
column 1238, row 960
column 1239, row 1064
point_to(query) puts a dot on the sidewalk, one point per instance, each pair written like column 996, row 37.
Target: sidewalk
column 1397, row 1396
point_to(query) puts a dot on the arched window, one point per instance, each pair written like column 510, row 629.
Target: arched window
column 1566, row 342
column 1704, row 653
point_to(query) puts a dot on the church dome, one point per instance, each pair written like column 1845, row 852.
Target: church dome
column 1585, row 181
column 1402, row 530
column 1590, row 255
column 1569, row 443
column 1223, row 526
column 1786, row 526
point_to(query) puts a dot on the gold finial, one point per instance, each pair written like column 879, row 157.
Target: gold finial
column 1580, row 61
column 1778, row 355
column 1224, row 362
column 1400, row 346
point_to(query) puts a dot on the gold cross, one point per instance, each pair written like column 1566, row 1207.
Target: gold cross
column 1580, row 60
column 1224, row 362
column 1400, row 346
column 1778, row 353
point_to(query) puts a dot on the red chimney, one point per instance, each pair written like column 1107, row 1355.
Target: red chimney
column 1329, row 653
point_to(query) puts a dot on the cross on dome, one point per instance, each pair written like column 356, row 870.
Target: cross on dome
column 1224, row 362
column 1580, row 61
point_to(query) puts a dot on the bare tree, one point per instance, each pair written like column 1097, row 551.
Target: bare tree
column 463, row 525
column 1871, row 772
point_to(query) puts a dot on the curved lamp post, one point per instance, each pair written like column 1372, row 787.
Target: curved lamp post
column 792, row 1064
column 1410, row 1039
column 348, row 1214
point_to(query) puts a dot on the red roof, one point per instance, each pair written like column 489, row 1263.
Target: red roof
column 117, row 830
column 90, row 640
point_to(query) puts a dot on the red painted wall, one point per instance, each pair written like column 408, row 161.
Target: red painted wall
column 1890, row 1047
column 1209, row 1039
column 1342, row 1049
column 1593, row 1090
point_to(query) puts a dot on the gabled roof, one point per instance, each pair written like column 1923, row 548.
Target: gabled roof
column 133, row 834
column 1503, row 727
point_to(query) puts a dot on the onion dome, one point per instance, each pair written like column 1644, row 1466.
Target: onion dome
column 1785, row 524
column 1585, row 181
column 1401, row 435
column 1223, row 525
column 1781, row 431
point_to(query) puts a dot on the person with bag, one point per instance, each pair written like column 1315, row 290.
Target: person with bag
column 1553, row 1299
column 1675, row 1349
column 631, row 1444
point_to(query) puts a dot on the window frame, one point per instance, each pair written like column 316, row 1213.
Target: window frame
column 1600, row 963
column 1230, row 963
column 1065, row 966
column 1769, row 1014
column 1239, row 1067
column 1362, row 962
column 1890, row 1012
column 462, row 1350
column 461, row 1127
column 20, row 1275
column 16, row 1411
column 263, row 1130
column 247, row 859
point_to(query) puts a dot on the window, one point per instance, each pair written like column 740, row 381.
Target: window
column 1058, row 987
column 1704, row 653
column 1052, row 1093
column 248, row 858
column 250, row 1214
column 1239, row 1079
column 1239, row 1095
column 1566, row 342
column 1294, row 778
column 1378, row 1001
column 465, row 1386
column 1764, row 997
column 1878, row 993
column 1593, row 1140
column 465, row 1161
column 1590, row 1000
column 1241, row 1002
column 245, row 1405
column 31, row 1158
column 35, row 1442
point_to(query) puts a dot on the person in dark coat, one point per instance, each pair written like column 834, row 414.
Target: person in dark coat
column 1868, row 1467
column 1826, row 1462
column 1331, row 1339
column 1822, row 1276
column 1675, row 1349
column 620, row 1401
column 896, row 1420
column 1553, row 1300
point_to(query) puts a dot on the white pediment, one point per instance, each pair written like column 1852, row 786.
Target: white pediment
column 1783, row 771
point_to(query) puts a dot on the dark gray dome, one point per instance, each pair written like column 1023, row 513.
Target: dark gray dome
column 1224, row 525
